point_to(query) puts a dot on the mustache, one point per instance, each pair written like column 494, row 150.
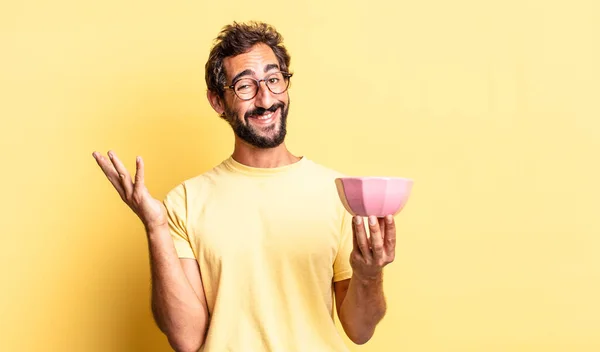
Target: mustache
column 261, row 111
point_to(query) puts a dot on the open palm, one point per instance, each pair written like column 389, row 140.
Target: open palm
column 133, row 192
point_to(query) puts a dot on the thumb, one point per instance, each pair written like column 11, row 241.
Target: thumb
column 139, row 171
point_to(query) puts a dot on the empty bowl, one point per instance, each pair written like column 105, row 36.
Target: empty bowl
column 378, row 196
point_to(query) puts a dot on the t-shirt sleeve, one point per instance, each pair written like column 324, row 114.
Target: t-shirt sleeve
column 341, row 266
column 176, row 205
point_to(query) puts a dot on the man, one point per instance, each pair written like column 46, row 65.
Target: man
column 251, row 255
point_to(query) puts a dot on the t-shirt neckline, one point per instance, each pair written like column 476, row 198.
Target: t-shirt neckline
column 236, row 166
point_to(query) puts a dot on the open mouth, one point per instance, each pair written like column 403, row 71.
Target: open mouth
column 265, row 119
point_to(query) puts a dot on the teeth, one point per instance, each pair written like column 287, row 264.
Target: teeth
column 265, row 117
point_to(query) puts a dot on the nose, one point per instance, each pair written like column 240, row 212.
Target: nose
column 264, row 97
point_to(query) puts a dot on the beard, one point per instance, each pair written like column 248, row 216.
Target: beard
column 245, row 131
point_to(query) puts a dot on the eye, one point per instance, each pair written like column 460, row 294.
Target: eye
column 273, row 79
column 244, row 85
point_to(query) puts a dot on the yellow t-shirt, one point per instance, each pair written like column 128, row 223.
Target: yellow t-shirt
column 270, row 243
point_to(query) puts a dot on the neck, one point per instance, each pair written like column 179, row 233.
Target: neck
column 262, row 158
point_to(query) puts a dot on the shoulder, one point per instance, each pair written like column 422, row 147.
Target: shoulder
column 321, row 168
column 194, row 186
column 321, row 179
column 320, row 171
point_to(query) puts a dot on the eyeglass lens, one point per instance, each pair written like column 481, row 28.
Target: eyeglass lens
column 246, row 88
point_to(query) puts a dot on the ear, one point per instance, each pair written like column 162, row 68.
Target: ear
column 216, row 102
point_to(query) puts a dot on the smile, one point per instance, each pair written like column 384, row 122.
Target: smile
column 264, row 119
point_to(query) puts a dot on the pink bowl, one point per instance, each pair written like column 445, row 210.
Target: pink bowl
column 379, row 196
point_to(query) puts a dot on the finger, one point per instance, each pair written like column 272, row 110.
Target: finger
column 381, row 226
column 139, row 171
column 390, row 234
column 376, row 239
column 109, row 171
column 122, row 173
column 360, row 235
column 139, row 189
column 354, row 241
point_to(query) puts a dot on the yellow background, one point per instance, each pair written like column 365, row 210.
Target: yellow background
column 491, row 106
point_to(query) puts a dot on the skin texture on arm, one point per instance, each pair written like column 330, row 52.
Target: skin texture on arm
column 178, row 303
column 360, row 301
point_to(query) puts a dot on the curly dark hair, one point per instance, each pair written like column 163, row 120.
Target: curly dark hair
column 238, row 38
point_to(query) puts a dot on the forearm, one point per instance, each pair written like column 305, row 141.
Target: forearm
column 177, row 310
column 363, row 308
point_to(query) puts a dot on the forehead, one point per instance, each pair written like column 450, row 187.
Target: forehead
column 254, row 60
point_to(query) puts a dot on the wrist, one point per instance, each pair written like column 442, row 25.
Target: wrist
column 154, row 230
column 368, row 279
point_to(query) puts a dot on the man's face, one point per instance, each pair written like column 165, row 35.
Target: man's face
column 260, row 121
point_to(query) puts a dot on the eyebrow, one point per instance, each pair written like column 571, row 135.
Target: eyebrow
column 270, row 67
column 249, row 71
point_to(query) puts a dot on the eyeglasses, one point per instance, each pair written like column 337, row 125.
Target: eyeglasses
column 247, row 88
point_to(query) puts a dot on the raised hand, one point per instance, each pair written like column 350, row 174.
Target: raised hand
column 370, row 255
column 134, row 193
